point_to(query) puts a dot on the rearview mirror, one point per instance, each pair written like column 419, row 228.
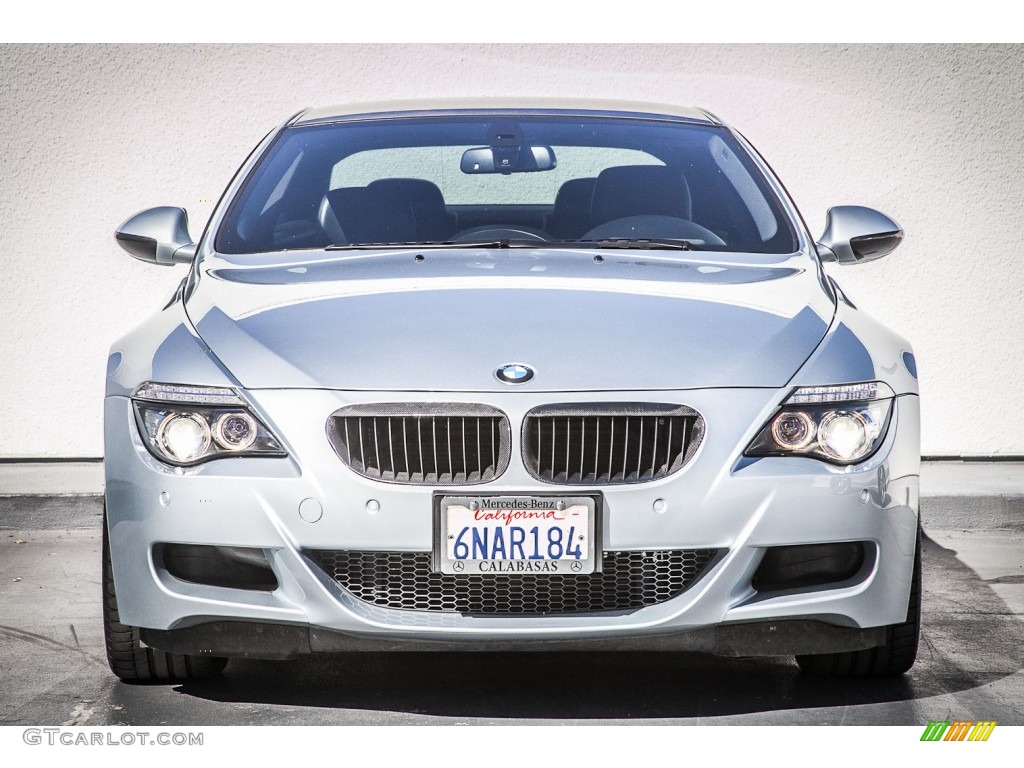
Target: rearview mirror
column 524, row 159
column 158, row 236
column 855, row 234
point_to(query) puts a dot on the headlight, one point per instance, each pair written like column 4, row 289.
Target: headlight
column 184, row 425
column 183, row 436
column 840, row 424
column 235, row 431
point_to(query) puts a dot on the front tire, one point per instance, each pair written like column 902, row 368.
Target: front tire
column 895, row 657
column 129, row 659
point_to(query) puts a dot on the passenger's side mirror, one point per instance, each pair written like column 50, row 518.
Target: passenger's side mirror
column 855, row 234
column 158, row 236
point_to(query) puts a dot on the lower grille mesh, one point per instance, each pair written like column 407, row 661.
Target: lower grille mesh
column 405, row 580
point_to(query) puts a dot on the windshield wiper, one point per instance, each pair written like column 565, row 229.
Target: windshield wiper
column 442, row 245
column 636, row 243
column 641, row 243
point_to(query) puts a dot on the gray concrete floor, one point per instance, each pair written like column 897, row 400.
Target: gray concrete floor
column 53, row 671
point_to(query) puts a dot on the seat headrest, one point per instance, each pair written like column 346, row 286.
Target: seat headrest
column 364, row 215
column 570, row 216
column 419, row 190
column 640, row 190
column 427, row 204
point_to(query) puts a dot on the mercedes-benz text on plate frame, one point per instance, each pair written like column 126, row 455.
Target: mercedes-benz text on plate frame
column 531, row 375
column 519, row 534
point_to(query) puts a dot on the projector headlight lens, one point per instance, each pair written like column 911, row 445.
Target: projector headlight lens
column 235, row 431
column 183, row 436
column 843, row 435
column 794, row 429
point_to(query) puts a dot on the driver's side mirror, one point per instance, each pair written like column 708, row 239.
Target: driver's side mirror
column 158, row 236
column 855, row 234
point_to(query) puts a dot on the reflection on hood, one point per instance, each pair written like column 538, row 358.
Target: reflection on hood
column 391, row 323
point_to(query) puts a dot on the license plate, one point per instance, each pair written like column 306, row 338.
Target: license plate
column 516, row 535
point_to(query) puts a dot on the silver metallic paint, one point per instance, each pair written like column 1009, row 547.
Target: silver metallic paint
column 478, row 105
column 166, row 228
column 774, row 323
column 456, row 316
column 846, row 223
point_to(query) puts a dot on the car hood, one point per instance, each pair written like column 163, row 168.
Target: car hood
column 446, row 320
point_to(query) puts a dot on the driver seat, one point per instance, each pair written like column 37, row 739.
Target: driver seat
column 640, row 190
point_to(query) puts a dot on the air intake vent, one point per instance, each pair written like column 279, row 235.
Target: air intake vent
column 628, row 580
column 609, row 443
column 422, row 443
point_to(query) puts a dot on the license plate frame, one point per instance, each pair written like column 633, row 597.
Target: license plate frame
column 443, row 564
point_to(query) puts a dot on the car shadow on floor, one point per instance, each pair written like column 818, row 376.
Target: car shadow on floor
column 970, row 639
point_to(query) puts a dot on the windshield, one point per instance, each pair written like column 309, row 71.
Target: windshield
column 508, row 180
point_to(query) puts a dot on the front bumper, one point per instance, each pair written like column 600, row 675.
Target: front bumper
column 719, row 500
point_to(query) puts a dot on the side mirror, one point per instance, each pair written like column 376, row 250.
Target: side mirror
column 855, row 234
column 158, row 236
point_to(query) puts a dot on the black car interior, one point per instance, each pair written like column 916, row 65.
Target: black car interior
column 682, row 193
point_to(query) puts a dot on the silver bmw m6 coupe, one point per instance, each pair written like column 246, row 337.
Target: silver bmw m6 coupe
column 533, row 376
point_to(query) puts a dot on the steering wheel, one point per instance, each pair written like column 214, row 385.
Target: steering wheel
column 490, row 232
column 639, row 227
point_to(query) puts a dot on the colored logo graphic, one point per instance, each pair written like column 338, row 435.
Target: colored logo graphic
column 958, row 730
column 514, row 373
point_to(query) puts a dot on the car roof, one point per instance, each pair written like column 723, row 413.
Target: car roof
column 497, row 106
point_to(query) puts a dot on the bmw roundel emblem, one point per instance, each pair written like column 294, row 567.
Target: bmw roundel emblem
column 514, row 373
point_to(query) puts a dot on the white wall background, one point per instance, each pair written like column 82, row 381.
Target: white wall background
column 932, row 135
